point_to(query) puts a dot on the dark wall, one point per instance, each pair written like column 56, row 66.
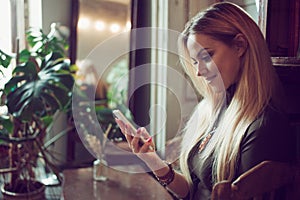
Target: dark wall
column 288, row 70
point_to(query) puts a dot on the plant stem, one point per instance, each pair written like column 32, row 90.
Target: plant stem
column 14, row 153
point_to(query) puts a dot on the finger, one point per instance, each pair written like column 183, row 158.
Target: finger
column 120, row 124
column 135, row 148
column 124, row 130
column 129, row 131
column 128, row 134
column 147, row 146
column 147, row 138
column 143, row 132
column 128, row 137
column 135, row 142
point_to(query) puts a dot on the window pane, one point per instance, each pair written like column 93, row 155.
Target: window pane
column 5, row 36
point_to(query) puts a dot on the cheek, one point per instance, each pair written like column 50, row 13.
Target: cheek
column 235, row 69
column 229, row 70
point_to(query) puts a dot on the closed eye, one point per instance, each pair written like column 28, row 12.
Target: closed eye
column 194, row 61
column 206, row 57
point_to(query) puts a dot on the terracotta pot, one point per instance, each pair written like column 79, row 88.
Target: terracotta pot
column 38, row 193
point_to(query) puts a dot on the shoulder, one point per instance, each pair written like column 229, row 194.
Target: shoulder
column 270, row 135
column 271, row 122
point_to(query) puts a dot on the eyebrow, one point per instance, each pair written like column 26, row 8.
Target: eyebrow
column 199, row 53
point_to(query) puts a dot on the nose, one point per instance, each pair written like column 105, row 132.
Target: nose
column 201, row 69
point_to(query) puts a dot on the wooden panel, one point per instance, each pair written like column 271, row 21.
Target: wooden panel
column 294, row 42
column 288, row 69
column 283, row 27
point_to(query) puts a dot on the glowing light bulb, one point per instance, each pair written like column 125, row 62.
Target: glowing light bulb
column 114, row 28
column 99, row 25
column 83, row 23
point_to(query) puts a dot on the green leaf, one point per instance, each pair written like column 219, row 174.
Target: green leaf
column 43, row 83
column 47, row 120
column 24, row 56
column 73, row 68
column 31, row 93
column 12, row 84
column 5, row 59
column 7, row 124
column 27, row 69
column 31, row 107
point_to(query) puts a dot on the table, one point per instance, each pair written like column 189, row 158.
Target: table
column 79, row 184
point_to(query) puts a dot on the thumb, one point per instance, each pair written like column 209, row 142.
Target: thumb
column 144, row 133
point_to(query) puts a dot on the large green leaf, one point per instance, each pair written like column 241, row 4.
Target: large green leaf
column 40, row 93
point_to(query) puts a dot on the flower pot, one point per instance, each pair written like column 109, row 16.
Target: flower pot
column 4, row 156
column 37, row 191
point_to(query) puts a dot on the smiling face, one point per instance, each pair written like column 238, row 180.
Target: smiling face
column 215, row 61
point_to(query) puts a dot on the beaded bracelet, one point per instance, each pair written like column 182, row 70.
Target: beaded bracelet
column 168, row 178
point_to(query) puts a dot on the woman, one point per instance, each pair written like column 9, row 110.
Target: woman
column 239, row 122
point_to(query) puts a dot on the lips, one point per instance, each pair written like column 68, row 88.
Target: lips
column 209, row 79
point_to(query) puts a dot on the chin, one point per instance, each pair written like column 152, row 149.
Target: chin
column 217, row 85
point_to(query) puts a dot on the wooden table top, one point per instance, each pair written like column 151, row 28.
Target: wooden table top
column 79, row 184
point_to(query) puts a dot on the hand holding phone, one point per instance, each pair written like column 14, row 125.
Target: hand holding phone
column 119, row 115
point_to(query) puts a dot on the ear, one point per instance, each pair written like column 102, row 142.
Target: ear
column 240, row 44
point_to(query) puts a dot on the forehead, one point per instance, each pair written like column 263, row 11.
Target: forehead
column 197, row 42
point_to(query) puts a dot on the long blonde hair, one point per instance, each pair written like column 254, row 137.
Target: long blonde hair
column 254, row 88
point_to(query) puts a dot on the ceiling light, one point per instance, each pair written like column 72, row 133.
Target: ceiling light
column 83, row 23
column 115, row 28
column 99, row 25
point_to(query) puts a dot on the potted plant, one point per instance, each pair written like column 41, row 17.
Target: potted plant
column 40, row 86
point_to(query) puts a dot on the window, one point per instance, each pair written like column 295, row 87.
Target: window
column 5, row 36
column 15, row 17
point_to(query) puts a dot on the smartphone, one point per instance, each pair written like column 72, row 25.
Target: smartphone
column 119, row 115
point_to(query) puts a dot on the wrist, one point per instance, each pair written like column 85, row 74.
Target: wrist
column 166, row 178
